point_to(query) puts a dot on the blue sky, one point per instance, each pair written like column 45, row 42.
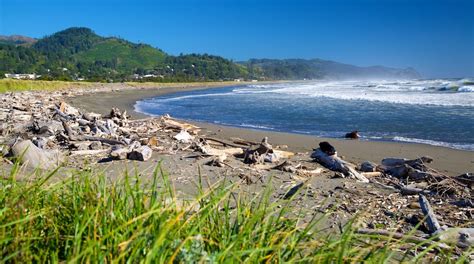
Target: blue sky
column 436, row 37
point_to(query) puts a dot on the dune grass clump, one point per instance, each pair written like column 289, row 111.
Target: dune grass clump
column 87, row 218
column 11, row 85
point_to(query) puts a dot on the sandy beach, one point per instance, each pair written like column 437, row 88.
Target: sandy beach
column 332, row 195
column 450, row 161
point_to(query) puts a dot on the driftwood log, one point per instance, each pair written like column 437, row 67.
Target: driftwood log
column 243, row 142
column 175, row 125
column 34, row 157
column 334, row 163
column 223, row 142
column 431, row 220
column 88, row 152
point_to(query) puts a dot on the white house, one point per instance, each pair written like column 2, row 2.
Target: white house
column 22, row 76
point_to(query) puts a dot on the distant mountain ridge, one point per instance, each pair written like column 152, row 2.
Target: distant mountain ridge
column 79, row 53
column 325, row 69
column 17, row 39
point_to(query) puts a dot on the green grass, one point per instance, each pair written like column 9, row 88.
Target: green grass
column 10, row 85
column 86, row 218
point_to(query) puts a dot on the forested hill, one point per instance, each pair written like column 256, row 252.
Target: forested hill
column 80, row 54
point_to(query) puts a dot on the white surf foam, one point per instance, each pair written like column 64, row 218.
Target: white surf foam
column 435, row 143
column 138, row 107
column 428, row 92
column 466, row 89
column 256, row 126
column 178, row 98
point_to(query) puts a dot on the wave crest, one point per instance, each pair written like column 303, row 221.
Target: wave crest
column 426, row 92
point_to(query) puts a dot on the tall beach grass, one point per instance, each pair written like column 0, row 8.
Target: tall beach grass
column 84, row 217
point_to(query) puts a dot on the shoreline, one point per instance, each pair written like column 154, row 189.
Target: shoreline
column 446, row 160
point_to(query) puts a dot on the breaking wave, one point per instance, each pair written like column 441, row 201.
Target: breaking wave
column 424, row 92
column 468, row 89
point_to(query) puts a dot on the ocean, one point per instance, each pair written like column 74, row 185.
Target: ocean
column 436, row 112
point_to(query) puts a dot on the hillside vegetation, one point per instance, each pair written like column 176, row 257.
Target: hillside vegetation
column 80, row 54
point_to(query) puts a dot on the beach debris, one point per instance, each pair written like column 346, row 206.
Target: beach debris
column 326, row 155
column 224, row 142
column 244, row 142
column 262, row 153
column 152, row 141
column 68, row 109
column 416, row 163
column 411, row 190
column 218, row 161
column 34, row 157
column 95, row 145
column 178, row 126
column 309, row 173
column 367, row 166
column 142, row 153
column 462, row 237
column 287, row 166
column 117, row 113
column 327, row 148
column 371, row 174
column 352, row 135
column 203, row 147
column 184, row 137
column 51, row 124
column 134, row 151
column 282, row 154
column 119, row 153
column 417, row 170
column 431, row 220
column 88, row 152
column 466, row 178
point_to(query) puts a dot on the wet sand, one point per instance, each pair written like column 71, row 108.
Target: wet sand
column 450, row 161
